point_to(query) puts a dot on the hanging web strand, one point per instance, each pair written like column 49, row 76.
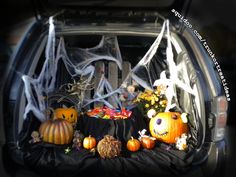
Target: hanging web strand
column 79, row 62
column 37, row 89
column 145, row 62
column 99, row 95
column 173, row 80
column 145, row 83
column 107, row 49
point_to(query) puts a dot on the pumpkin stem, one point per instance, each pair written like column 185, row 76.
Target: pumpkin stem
column 51, row 115
column 64, row 106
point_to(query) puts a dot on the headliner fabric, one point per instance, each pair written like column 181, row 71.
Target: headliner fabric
column 163, row 160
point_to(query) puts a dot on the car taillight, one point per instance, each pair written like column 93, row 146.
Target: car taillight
column 222, row 104
column 220, row 112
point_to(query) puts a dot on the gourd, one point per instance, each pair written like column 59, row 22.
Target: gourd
column 133, row 144
column 57, row 131
column 147, row 142
column 89, row 142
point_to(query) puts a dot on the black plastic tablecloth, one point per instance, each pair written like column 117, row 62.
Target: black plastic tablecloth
column 121, row 129
column 163, row 160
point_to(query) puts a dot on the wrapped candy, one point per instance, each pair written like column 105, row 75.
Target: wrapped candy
column 108, row 113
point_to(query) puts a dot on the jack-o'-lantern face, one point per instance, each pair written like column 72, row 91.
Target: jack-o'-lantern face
column 167, row 126
column 68, row 114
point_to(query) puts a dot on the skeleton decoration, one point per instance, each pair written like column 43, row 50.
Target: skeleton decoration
column 181, row 142
column 35, row 137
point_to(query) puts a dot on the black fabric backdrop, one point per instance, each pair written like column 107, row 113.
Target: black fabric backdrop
column 163, row 160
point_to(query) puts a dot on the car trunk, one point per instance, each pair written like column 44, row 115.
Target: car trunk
column 134, row 36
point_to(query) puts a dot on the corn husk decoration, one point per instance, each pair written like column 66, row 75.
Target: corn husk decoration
column 109, row 147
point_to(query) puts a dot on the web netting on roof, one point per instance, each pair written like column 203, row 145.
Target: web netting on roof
column 80, row 66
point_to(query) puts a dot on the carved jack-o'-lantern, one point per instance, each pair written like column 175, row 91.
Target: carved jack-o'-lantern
column 68, row 114
column 167, row 126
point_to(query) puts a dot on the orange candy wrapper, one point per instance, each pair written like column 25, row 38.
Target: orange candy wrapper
column 108, row 113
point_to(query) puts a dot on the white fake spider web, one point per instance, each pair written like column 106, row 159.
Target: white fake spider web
column 80, row 64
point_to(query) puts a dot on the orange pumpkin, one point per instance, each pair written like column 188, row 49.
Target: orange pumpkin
column 89, row 142
column 69, row 114
column 133, row 144
column 167, row 126
column 147, row 142
column 56, row 131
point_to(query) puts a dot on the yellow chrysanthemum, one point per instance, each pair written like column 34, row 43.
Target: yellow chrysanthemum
column 163, row 102
column 156, row 98
column 152, row 102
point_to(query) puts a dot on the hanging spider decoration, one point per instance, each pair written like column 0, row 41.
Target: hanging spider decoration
column 77, row 88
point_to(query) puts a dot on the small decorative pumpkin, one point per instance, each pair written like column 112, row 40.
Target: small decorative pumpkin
column 109, row 147
column 167, row 126
column 89, row 142
column 148, row 142
column 133, row 144
column 69, row 114
column 57, row 131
